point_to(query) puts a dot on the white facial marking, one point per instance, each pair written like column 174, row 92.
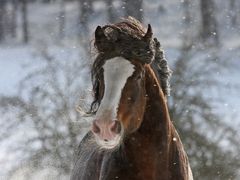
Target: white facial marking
column 116, row 72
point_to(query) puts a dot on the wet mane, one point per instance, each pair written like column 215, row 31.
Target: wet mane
column 130, row 30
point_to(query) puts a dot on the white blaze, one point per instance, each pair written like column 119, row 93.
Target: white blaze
column 116, row 72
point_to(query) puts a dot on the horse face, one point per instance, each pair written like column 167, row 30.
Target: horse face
column 123, row 102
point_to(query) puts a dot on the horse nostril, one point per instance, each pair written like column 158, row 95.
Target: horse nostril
column 95, row 127
column 105, row 140
column 116, row 127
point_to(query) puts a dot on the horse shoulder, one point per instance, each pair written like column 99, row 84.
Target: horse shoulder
column 180, row 163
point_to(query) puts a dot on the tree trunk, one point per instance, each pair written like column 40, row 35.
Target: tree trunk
column 62, row 14
column 233, row 12
column 13, row 27
column 188, row 36
column 209, row 22
column 85, row 9
column 2, row 15
column 25, row 21
column 46, row 1
column 110, row 11
column 133, row 8
column 187, row 13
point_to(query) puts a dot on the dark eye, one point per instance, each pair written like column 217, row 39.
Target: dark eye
column 138, row 53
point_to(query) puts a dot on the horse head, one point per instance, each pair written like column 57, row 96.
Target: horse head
column 119, row 81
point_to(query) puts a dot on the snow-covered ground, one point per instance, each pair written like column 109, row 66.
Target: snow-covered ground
column 167, row 27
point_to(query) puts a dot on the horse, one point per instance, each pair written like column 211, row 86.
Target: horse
column 131, row 136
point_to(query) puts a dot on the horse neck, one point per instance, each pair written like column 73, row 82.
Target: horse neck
column 158, row 128
column 156, row 117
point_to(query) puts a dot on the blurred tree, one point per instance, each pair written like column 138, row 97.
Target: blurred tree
column 48, row 114
column 46, row 1
column 62, row 14
column 232, row 12
column 24, row 5
column 2, row 16
column 133, row 8
column 191, row 109
column 209, row 30
column 85, row 10
column 110, row 11
column 188, row 19
column 13, row 23
column 202, row 131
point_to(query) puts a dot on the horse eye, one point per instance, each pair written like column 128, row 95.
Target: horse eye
column 138, row 53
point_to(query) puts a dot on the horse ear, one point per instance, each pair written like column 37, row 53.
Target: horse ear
column 148, row 34
column 99, row 33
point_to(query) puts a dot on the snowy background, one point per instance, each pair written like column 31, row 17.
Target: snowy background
column 57, row 62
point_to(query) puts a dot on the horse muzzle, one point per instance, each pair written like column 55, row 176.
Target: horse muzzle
column 107, row 133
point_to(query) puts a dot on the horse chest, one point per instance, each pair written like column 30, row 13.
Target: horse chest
column 132, row 163
column 129, row 171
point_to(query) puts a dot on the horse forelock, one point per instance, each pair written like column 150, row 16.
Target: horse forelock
column 129, row 27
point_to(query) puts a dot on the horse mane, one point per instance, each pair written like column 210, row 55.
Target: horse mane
column 130, row 27
column 161, row 68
